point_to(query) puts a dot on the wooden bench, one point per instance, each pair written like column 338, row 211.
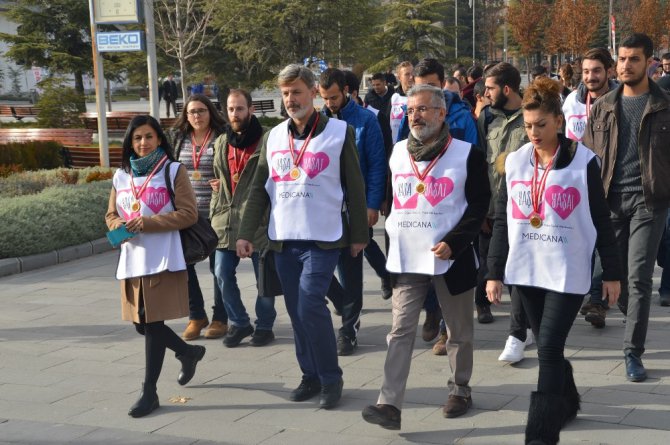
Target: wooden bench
column 263, row 106
column 116, row 120
column 65, row 136
column 18, row 112
column 168, row 122
column 89, row 156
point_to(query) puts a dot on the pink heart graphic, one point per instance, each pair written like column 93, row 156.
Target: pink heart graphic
column 314, row 163
column 522, row 204
column 155, row 198
column 405, row 195
column 125, row 198
column 562, row 201
column 396, row 111
column 281, row 165
column 575, row 126
column 437, row 189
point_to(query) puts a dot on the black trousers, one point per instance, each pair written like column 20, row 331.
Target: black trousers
column 550, row 315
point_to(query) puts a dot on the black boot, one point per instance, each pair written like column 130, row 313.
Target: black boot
column 147, row 402
column 545, row 419
column 570, row 395
column 188, row 363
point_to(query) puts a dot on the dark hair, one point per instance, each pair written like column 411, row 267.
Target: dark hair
column 639, row 40
column 491, row 65
column 601, row 55
column 240, row 92
column 543, row 94
column 138, row 121
column 479, row 88
column 461, row 71
column 665, row 56
column 475, row 72
column 451, row 80
column 351, row 80
column 505, row 74
column 538, row 70
column 378, row 76
column 216, row 120
column 332, row 76
column 566, row 69
column 429, row 66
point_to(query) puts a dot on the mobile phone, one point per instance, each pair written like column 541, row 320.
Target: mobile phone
column 117, row 236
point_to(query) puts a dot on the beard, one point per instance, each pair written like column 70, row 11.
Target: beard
column 297, row 111
column 241, row 125
column 596, row 86
column 500, row 102
column 633, row 81
column 425, row 132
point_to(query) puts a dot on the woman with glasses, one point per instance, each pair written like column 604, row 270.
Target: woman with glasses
column 193, row 139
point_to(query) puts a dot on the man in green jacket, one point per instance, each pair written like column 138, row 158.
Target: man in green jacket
column 235, row 159
column 309, row 174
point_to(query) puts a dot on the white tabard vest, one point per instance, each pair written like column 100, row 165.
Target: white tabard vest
column 397, row 113
column 557, row 255
column 147, row 253
column 575, row 117
column 418, row 221
column 309, row 207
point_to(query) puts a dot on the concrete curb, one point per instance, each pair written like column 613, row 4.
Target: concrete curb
column 11, row 266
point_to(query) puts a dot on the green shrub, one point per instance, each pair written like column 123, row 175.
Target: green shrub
column 269, row 122
column 59, row 105
column 32, row 155
column 58, row 217
column 31, row 182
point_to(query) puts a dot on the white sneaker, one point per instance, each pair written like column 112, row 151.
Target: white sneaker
column 513, row 351
column 530, row 339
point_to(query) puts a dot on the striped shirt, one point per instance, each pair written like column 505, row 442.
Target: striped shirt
column 203, row 191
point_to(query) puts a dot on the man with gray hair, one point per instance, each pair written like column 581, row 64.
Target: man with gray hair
column 440, row 198
column 309, row 177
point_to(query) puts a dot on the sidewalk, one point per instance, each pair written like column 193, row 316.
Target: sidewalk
column 70, row 369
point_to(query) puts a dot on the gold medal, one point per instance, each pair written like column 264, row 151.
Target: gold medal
column 421, row 187
column 236, row 178
column 197, row 176
column 135, row 206
column 535, row 220
column 295, row 173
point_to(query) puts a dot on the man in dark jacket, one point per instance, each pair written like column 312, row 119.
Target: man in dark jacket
column 347, row 295
column 170, row 94
column 440, row 198
column 379, row 97
column 628, row 128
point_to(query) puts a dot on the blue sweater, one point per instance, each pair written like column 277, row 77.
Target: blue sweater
column 371, row 151
column 462, row 125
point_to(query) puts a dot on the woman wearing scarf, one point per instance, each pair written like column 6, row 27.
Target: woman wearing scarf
column 151, row 265
column 193, row 136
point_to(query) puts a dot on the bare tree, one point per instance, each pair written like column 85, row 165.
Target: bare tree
column 184, row 27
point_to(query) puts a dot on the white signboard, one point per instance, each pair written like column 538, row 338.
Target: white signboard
column 120, row 41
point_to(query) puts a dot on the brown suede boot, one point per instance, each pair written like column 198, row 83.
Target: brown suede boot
column 193, row 329
column 216, row 329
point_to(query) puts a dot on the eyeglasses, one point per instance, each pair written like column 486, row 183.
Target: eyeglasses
column 420, row 110
column 197, row 111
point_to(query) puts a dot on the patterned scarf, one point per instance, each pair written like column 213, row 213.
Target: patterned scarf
column 142, row 166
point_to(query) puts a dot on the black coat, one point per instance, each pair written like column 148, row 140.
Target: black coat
column 170, row 91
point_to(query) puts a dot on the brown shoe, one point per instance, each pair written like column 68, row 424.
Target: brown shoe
column 456, row 406
column 431, row 327
column 193, row 329
column 440, row 347
column 585, row 307
column 596, row 316
column 386, row 416
column 216, row 329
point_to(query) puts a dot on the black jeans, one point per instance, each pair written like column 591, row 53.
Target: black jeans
column 550, row 315
column 347, row 294
column 480, row 292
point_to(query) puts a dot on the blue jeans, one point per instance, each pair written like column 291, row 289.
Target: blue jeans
column 196, row 302
column 305, row 271
column 225, row 266
column 596, row 291
column 347, row 294
column 665, row 277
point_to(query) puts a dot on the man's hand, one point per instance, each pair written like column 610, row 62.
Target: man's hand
column 494, row 291
column 215, row 184
column 611, row 291
column 384, row 209
column 356, row 248
column 442, row 250
column 244, row 248
column 373, row 217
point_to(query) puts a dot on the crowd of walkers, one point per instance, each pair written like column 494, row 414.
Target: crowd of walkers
column 554, row 192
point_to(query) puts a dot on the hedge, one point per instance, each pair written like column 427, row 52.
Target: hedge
column 32, row 155
column 31, row 182
column 58, row 217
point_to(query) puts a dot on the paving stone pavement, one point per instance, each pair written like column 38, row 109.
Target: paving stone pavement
column 70, row 369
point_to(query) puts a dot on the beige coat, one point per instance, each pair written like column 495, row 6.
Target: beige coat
column 166, row 293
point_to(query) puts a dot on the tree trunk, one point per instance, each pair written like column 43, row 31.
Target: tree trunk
column 182, row 67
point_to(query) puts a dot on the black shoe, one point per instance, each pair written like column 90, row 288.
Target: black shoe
column 236, row 334
column 346, row 345
column 635, row 371
column 596, row 315
column 331, row 394
column 387, row 290
column 147, row 402
column 484, row 315
column 571, row 396
column 188, row 363
column 261, row 337
column 307, row 389
column 386, row 416
column 664, row 300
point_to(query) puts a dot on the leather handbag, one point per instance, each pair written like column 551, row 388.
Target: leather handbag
column 269, row 284
column 197, row 241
